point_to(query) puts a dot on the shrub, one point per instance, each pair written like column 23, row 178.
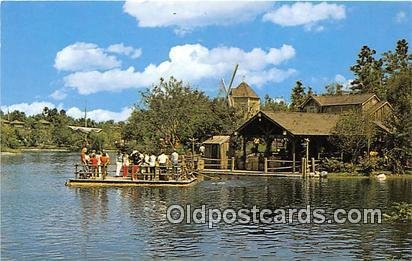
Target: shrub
column 367, row 165
column 400, row 212
column 334, row 165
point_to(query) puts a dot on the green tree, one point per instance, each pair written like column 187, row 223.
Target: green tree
column 16, row 116
column 334, row 89
column 222, row 119
column 270, row 104
column 353, row 133
column 171, row 113
column 8, row 137
column 368, row 74
column 397, row 61
column 399, row 140
column 298, row 96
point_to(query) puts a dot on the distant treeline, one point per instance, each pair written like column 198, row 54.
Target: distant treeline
column 49, row 129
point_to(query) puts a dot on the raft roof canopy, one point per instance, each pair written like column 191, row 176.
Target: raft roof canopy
column 243, row 90
column 296, row 123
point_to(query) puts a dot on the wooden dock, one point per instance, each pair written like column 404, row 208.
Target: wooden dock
column 250, row 173
column 120, row 181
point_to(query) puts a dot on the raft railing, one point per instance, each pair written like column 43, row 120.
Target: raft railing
column 181, row 170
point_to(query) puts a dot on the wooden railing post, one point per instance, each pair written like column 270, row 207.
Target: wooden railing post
column 293, row 163
column 265, row 167
column 232, row 164
column 303, row 168
column 313, row 165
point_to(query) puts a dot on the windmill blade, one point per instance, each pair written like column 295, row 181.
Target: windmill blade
column 223, row 86
column 227, row 93
column 233, row 77
column 222, row 89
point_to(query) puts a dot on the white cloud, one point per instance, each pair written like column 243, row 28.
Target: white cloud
column 343, row 81
column 190, row 62
column 187, row 15
column 112, row 80
column 401, row 17
column 100, row 114
column 125, row 50
column 30, row 108
column 340, row 78
column 97, row 115
column 306, row 14
column 84, row 57
column 59, row 95
column 279, row 100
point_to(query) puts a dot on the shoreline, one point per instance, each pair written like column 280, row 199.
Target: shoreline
column 23, row 150
column 345, row 175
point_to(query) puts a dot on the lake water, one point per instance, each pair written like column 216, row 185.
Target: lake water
column 43, row 219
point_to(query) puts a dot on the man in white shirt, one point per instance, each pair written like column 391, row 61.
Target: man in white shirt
column 202, row 150
column 162, row 158
column 175, row 158
column 152, row 160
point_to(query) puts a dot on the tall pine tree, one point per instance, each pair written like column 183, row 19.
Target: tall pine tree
column 368, row 74
column 298, row 96
column 398, row 81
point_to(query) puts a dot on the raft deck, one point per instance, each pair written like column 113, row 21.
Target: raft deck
column 120, row 181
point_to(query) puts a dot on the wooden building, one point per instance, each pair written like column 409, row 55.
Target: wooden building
column 216, row 152
column 366, row 103
column 245, row 98
column 6, row 122
column 291, row 128
column 17, row 124
column 43, row 123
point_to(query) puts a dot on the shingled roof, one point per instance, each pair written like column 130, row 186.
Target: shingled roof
column 299, row 123
column 304, row 123
column 379, row 105
column 243, row 90
column 347, row 99
column 217, row 139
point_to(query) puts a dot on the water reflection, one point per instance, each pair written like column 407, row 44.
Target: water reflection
column 41, row 217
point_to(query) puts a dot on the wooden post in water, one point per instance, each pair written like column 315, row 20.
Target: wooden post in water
column 244, row 152
column 313, row 165
column 303, row 168
column 265, row 167
column 232, row 164
column 293, row 157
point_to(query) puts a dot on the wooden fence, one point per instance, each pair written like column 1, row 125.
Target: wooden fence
column 266, row 166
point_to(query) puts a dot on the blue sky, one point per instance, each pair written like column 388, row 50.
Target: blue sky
column 64, row 54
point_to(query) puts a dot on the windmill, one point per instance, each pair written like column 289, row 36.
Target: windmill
column 227, row 89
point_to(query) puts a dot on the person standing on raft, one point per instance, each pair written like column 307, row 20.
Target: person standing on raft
column 125, row 165
column 119, row 163
column 104, row 162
